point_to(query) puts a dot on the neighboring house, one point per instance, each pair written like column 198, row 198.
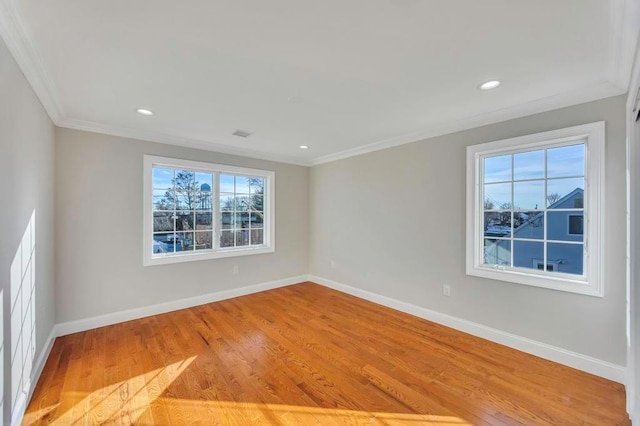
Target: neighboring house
column 562, row 226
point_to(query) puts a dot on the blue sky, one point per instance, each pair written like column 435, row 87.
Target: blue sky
column 162, row 180
column 563, row 165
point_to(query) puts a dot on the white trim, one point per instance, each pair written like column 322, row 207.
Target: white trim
column 625, row 25
column 592, row 283
column 168, row 139
column 21, row 45
column 583, row 95
column 23, row 402
column 553, row 353
column 269, row 245
column 76, row 326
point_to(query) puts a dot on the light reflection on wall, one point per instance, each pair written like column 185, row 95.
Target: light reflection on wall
column 22, row 295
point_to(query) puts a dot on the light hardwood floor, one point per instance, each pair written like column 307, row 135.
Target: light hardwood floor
column 306, row 354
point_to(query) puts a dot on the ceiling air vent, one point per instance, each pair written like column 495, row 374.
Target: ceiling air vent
column 242, row 133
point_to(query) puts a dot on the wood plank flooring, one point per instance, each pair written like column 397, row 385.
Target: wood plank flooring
column 306, row 354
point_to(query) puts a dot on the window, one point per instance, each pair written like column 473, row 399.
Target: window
column 196, row 211
column 576, row 225
column 539, row 265
column 533, row 213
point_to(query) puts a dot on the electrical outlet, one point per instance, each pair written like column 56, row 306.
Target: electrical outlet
column 236, row 270
column 446, row 290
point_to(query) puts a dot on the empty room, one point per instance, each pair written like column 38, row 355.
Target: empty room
column 380, row 212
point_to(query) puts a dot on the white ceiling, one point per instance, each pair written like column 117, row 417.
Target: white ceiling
column 342, row 76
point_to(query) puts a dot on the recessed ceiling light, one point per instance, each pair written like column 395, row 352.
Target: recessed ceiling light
column 242, row 133
column 489, row 85
column 304, row 147
column 144, row 111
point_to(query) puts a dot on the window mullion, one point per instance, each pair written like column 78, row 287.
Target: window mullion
column 175, row 212
column 513, row 200
column 544, row 214
column 215, row 212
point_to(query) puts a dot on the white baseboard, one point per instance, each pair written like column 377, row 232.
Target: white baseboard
column 586, row 363
column 23, row 401
column 70, row 327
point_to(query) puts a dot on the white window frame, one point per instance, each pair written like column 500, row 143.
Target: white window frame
column 268, row 246
column 591, row 282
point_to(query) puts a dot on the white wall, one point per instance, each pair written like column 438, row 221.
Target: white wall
column 393, row 221
column 99, row 229
column 26, row 185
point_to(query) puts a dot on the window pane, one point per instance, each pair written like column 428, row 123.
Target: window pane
column 185, row 178
column 227, row 183
column 227, row 220
column 497, row 252
column 162, row 178
column 257, row 220
column 569, row 257
column 497, row 196
column 242, row 203
column 184, row 221
column 242, row 185
column 204, row 200
column 257, row 185
column 497, row 224
column 528, row 195
column 184, row 241
column 527, row 254
column 245, row 221
column 204, row 240
column 565, row 161
column 163, row 243
column 203, row 219
column 227, row 203
column 242, row 238
column 257, row 203
column 204, row 181
column 227, row 239
column 163, row 200
column 528, row 225
column 163, row 222
column 497, row 169
column 559, row 226
column 528, row 165
column 187, row 199
column 565, row 193
column 257, row 237
column 174, row 241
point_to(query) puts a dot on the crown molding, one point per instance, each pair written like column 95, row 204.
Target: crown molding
column 168, row 139
column 625, row 29
column 21, row 45
column 575, row 97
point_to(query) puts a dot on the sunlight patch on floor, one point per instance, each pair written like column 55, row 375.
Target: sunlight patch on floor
column 224, row 412
column 120, row 403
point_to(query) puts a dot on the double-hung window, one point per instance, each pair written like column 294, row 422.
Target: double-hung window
column 534, row 209
column 195, row 210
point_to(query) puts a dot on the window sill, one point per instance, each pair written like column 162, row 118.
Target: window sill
column 206, row 255
column 560, row 282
